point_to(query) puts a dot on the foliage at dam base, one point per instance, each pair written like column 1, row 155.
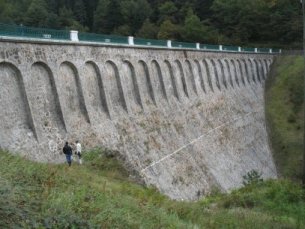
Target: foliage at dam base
column 99, row 194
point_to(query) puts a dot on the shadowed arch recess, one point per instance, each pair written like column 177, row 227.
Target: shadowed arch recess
column 15, row 111
column 172, row 87
column 230, row 72
column 180, row 75
column 146, row 81
column 46, row 110
column 95, row 90
column 247, row 71
column 200, row 75
column 235, row 71
column 73, row 99
column 160, row 85
column 263, row 69
column 215, row 70
column 222, row 73
column 252, row 70
column 258, row 72
column 131, row 85
column 208, row 74
column 115, row 90
column 190, row 77
column 241, row 72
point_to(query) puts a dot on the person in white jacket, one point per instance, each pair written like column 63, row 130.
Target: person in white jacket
column 78, row 152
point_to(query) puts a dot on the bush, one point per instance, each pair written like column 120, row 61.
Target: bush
column 252, row 177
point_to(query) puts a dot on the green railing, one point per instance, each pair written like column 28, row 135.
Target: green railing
column 209, row 47
column 149, row 42
column 245, row 49
column 230, row 48
column 29, row 32
column 91, row 37
column 51, row 34
column 276, row 50
column 177, row 44
column 263, row 50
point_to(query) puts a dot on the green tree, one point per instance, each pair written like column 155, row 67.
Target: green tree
column 37, row 14
column 107, row 16
column 67, row 21
column 168, row 30
column 167, row 11
column 134, row 13
column 65, row 17
column 123, row 30
column 258, row 20
column 148, row 30
column 203, row 9
column 80, row 11
column 193, row 29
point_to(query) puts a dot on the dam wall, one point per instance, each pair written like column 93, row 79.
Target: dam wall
column 186, row 121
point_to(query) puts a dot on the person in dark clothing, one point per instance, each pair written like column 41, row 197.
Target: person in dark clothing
column 68, row 152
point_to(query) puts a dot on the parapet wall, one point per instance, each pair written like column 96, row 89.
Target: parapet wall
column 187, row 121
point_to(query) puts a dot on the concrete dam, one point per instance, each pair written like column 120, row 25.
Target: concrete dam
column 186, row 121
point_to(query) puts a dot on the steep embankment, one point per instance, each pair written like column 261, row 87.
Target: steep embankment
column 284, row 109
column 99, row 194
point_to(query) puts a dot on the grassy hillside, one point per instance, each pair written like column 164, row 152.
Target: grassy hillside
column 100, row 194
column 285, row 112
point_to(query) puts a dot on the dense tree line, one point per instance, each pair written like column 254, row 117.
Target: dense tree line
column 240, row 22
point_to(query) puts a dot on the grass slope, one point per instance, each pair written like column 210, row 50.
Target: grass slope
column 99, row 194
column 284, row 109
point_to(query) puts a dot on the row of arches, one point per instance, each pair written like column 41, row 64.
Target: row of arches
column 54, row 98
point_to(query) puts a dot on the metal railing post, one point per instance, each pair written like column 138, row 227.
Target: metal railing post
column 169, row 43
column 130, row 40
column 74, row 35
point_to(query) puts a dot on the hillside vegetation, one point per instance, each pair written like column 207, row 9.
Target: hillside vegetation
column 285, row 114
column 100, row 194
column 267, row 23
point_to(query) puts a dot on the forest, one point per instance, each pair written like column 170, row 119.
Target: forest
column 265, row 23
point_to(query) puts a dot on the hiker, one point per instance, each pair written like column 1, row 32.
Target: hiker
column 68, row 152
column 78, row 152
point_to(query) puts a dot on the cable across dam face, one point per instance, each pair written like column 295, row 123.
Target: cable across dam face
column 187, row 121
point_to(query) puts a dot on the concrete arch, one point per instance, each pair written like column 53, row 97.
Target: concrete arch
column 266, row 65
column 96, row 92
column 247, row 70
column 216, row 73
column 222, row 73
column 201, row 79
column 46, row 109
column 241, row 72
column 181, row 76
column 190, row 77
column 131, row 85
column 269, row 61
column 259, row 77
column 235, row 72
column 252, row 70
column 145, row 79
column 263, row 69
column 208, row 74
column 114, row 82
column 70, row 88
column 229, row 70
column 173, row 89
column 15, row 111
column 156, row 69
